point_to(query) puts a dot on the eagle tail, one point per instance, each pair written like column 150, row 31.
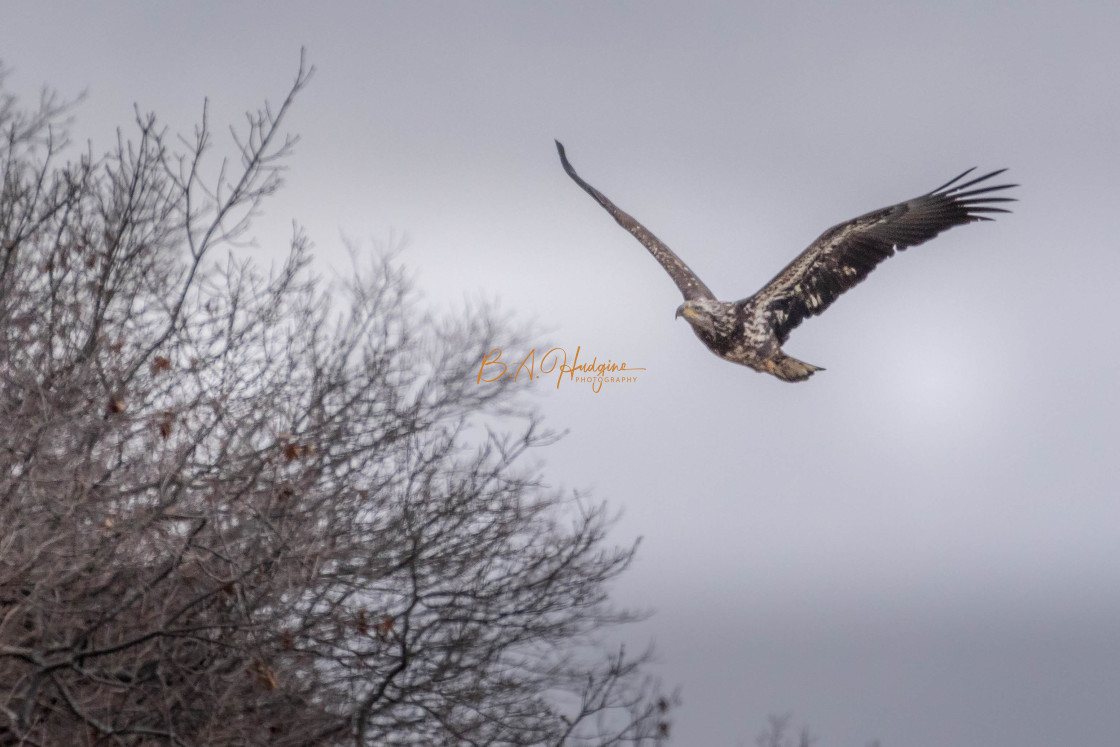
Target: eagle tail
column 790, row 369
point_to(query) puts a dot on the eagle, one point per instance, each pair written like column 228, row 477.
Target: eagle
column 751, row 331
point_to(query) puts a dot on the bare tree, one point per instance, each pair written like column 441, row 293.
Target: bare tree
column 778, row 734
column 241, row 506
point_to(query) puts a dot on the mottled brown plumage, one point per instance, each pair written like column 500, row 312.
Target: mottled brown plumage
column 751, row 331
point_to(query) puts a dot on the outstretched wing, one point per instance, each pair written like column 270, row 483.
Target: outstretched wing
column 845, row 254
column 686, row 279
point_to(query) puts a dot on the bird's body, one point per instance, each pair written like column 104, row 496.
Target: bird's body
column 742, row 332
column 752, row 331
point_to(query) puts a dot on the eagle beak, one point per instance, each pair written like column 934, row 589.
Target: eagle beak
column 681, row 311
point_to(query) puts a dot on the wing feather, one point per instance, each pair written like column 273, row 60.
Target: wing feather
column 847, row 253
column 690, row 285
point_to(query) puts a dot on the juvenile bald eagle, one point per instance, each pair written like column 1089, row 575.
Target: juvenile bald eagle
column 752, row 331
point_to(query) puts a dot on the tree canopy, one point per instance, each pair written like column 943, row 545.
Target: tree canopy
column 241, row 505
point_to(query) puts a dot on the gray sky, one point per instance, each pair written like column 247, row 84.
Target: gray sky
column 922, row 543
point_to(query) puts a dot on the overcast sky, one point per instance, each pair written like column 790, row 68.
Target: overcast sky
column 921, row 544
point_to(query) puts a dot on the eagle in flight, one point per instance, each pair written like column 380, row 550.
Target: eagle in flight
column 752, row 331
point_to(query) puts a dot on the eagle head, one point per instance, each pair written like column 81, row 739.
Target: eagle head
column 706, row 315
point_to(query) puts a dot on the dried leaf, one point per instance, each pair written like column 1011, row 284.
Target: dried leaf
column 266, row 678
column 167, row 418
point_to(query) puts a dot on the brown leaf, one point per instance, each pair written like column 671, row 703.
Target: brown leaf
column 165, row 421
column 296, row 450
column 266, row 678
